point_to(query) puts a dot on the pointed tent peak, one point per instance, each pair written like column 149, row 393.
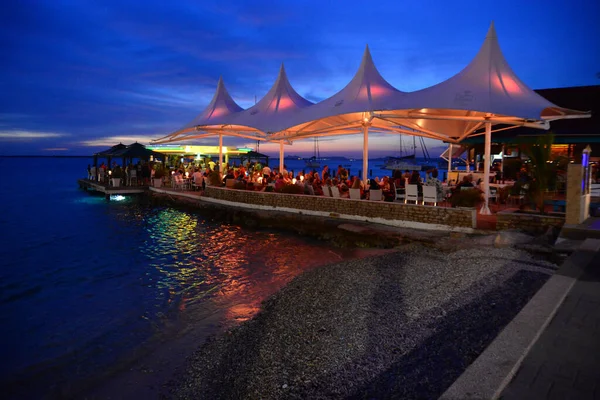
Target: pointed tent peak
column 491, row 33
column 282, row 94
column 282, row 76
column 222, row 96
column 367, row 58
column 368, row 74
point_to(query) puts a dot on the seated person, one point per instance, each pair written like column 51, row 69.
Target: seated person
column 467, row 182
column 317, row 187
column 198, row 178
column 308, row 186
column 433, row 180
column 415, row 179
column 344, row 191
column 229, row 175
column 386, row 188
column 374, row 185
column 279, row 183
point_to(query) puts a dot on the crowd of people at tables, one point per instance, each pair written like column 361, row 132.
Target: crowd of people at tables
column 257, row 177
column 263, row 178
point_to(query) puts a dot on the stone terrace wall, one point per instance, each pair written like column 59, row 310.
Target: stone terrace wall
column 532, row 223
column 457, row 217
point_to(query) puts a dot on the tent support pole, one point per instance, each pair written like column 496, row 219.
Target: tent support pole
column 450, row 158
column 469, row 160
column 221, row 155
column 365, row 153
column 485, row 210
column 502, row 162
column 280, row 156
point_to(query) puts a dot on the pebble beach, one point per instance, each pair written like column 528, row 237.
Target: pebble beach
column 404, row 324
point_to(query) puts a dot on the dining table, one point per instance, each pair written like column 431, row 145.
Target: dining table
column 502, row 185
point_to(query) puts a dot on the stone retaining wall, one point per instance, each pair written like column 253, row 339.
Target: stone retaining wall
column 532, row 223
column 454, row 217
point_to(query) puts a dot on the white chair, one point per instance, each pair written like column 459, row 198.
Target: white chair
column 179, row 183
column 375, row 195
column 197, row 183
column 400, row 193
column 326, row 191
column 355, row 194
column 412, row 193
column 430, row 195
column 335, row 192
column 132, row 176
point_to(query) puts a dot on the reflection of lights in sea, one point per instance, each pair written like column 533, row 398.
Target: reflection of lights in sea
column 194, row 263
column 117, row 197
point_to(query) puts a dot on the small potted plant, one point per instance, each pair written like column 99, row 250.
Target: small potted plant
column 159, row 174
column 116, row 175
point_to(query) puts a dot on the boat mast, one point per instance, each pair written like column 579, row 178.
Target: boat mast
column 401, row 150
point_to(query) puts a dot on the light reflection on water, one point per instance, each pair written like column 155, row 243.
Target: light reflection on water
column 124, row 274
column 232, row 267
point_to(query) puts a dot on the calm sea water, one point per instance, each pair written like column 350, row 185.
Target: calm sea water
column 355, row 166
column 85, row 283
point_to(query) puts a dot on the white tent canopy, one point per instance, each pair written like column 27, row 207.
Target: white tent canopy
column 344, row 112
column 486, row 92
column 274, row 111
column 214, row 116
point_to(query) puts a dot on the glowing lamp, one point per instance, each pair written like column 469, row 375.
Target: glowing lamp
column 294, row 181
column 109, row 172
column 301, row 178
column 187, row 174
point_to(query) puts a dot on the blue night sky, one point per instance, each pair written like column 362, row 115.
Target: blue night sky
column 78, row 76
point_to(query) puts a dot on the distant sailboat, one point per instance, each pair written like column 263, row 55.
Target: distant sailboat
column 403, row 161
column 315, row 160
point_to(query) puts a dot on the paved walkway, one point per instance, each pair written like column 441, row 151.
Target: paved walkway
column 565, row 361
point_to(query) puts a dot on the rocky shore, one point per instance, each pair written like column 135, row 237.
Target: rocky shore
column 400, row 325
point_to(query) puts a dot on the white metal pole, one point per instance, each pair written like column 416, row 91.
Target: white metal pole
column 280, row 156
column 221, row 155
column 486, row 168
column 502, row 162
column 468, row 160
column 450, row 158
column 365, row 153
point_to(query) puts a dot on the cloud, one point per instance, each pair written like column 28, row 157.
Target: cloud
column 112, row 140
column 17, row 135
column 98, row 70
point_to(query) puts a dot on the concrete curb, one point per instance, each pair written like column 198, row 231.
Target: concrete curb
column 489, row 374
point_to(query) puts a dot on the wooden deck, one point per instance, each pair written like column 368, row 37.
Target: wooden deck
column 96, row 186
